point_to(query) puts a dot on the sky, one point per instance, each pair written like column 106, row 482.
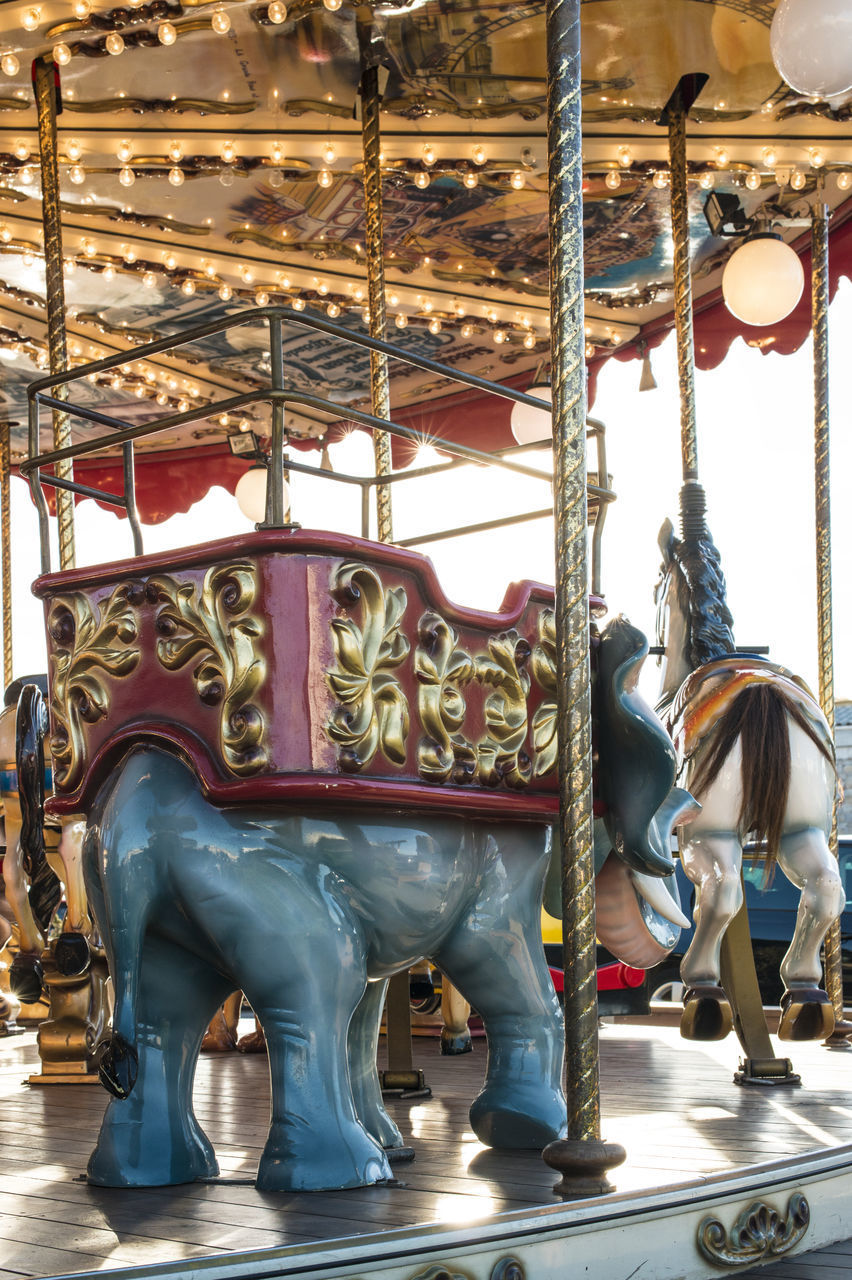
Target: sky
column 755, row 460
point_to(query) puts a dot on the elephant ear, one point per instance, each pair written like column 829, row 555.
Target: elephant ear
column 637, row 762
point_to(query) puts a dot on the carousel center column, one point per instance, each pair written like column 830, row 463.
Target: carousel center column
column 582, row 1158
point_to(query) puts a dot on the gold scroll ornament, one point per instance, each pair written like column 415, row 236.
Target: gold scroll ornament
column 213, row 627
column 87, row 643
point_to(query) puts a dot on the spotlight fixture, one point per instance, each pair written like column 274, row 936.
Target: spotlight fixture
column 725, row 215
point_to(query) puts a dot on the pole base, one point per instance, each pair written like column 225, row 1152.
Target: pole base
column 404, row 1084
column 839, row 1038
column 583, row 1164
column 766, row 1071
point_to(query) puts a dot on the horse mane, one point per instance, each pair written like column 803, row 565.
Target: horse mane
column 710, row 621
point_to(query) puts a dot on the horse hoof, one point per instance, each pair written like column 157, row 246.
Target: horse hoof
column 118, row 1065
column 26, row 978
column 452, row 1044
column 72, row 955
column 806, row 1014
column 706, row 1014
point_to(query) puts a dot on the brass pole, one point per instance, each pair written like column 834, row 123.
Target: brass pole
column 676, row 117
column 581, row 1158
column 379, row 385
column 822, row 479
column 46, row 104
column 6, row 549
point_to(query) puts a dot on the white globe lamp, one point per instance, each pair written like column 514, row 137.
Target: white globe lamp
column 533, row 426
column 811, row 44
column 250, row 493
column 763, row 280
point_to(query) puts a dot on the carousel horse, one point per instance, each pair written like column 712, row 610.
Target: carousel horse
column 757, row 753
column 309, row 912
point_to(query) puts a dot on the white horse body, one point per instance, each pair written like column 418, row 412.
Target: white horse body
column 711, row 846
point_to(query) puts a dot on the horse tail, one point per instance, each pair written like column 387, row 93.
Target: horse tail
column 759, row 717
column 30, row 729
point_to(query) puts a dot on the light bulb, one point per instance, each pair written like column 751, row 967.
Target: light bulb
column 797, row 179
column 126, row 177
column 518, row 180
column 325, row 177
column 478, row 154
column 811, row 46
column 817, row 158
column 770, row 157
column 467, row 331
column 188, row 287
column 129, row 254
column 401, row 321
column 5, row 234
column 753, row 180
column 276, row 178
column 705, row 182
column 9, row 64
column 434, row 325
column 62, row 54
column 228, row 152
column 220, row 22
column 82, row 9
column 332, row 5
column 329, row 153
column 613, row 179
column 225, row 292
column 429, row 155
column 22, row 151
column 108, row 272
column 261, row 298
column 762, row 281
column 28, row 257
column 333, row 310
column 170, row 262
column 499, row 336
column 625, row 157
column 471, row 180
column 69, row 266
column 298, row 304
column 31, row 19
column 277, row 12
column 26, row 175
column 77, row 174
column 74, row 150
column 660, row 179
column 722, row 157
column 176, row 177
column 226, row 178
column 844, row 180
column 88, row 248
column 175, row 152
column 166, row 33
column 529, row 341
column 421, row 180
column 114, row 43
column 247, row 275
column 182, row 405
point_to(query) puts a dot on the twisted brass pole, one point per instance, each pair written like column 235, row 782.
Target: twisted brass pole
column 582, row 1158
column 371, row 142
column 46, row 103
column 822, row 479
column 6, row 549
column 676, row 114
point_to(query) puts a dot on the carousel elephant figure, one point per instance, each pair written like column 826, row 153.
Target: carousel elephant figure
column 309, row 912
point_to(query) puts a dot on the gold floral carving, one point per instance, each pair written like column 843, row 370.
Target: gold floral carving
column 87, row 643
column 759, row 1233
column 544, row 672
column 501, row 753
column 441, row 668
column 214, row 628
column 374, row 713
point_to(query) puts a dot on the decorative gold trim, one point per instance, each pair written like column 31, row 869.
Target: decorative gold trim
column 214, row 627
column 545, row 721
column 86, row 640
column 759, row 1232
column 501, row 754
column 374, row 714
column 143, row 106
column 440, row 668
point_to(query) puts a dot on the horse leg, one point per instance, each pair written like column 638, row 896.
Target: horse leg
column 806, row 860
column 711, row 860
column 455, row 1012
column 366, row 1087
column 495, row 956
column 305, row 990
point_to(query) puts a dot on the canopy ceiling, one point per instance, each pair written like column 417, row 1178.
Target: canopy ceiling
column 223, row 169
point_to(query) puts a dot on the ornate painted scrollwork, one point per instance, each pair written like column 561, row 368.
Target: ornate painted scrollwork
column 441, row 668
column 760, row 1232
column 501, row 754
column 544, row 672
column 87, row 643
column 374, row 715
column 214, row 625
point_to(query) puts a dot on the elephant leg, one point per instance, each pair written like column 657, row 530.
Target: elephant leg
column 366, row 1087
column 807, row 862
column 495, row 957
column 304, row 990
column 152, row 1137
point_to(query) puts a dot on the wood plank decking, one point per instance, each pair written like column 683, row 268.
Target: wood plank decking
column 671, row 1104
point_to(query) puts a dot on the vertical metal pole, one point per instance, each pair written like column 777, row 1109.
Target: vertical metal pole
column 379, row 384
column 46, row 103
column 676, row 116
column 582, row 1158
column 6, row 550
column 822, row 480
column 275, row 480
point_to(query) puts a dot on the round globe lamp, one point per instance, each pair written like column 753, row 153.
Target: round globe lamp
column 533, row 426
column 763, row 280
column 811, row 44
column 250, row 493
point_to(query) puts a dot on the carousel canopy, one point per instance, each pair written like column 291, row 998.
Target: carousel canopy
column 210, row 160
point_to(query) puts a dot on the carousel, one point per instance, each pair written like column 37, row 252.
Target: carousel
column 285, row 763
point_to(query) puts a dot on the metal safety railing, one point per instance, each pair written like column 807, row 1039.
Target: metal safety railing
column 45, row 395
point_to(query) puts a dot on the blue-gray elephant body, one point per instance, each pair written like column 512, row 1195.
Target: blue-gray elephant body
column 306, row 914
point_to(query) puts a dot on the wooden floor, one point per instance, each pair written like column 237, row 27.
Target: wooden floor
column 672, row 1105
